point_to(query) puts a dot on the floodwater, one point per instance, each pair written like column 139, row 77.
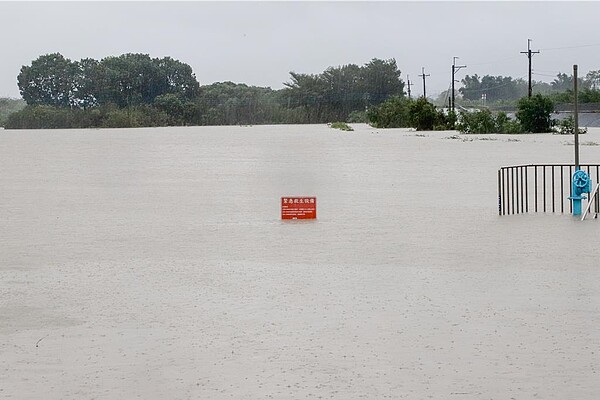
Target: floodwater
column 152, row 263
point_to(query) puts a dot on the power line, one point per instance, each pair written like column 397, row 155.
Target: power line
column 538, row 74
column 544, row 49
column 552, row 72
column 495, row 62
column 571, row 47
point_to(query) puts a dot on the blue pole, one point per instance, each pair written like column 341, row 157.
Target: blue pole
column 577, row 180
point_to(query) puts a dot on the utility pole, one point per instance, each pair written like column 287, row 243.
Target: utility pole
column 423, row 75
column 408, row 84
column 529, row 55
column 454, row 69
column 576, row 118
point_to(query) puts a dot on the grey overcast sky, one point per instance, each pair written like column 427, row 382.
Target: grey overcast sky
column 259, row 43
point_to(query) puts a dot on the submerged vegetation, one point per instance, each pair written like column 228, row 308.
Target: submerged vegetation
column 485, row 121
column 341, row 126
column 420, row 114
column 567, row 127
column 533, row 116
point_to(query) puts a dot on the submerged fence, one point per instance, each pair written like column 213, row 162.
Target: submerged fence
column 540, row 187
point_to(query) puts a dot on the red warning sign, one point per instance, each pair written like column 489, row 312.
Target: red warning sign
column 298, row 207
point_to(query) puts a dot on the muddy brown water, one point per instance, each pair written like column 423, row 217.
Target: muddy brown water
column 152, row 263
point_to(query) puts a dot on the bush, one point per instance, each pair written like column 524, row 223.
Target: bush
column 393, row 113
column 449, row 121
column 40, row 117
column 534, row 113
column 118, row 118
column 420, row 114
column 358, row 117
column 173, row 106
column 506, row 125
column 9, row 106
column 341, row 125
column 484, row 121
column 109, row 116
column 567, row 127
column 511, row 126
column 423, row 115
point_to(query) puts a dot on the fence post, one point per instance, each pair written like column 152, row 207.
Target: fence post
column 499, row 195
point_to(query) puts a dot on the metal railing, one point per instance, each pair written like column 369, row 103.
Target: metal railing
column 539, row 187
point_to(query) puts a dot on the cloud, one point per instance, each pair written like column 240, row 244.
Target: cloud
column 259, row 43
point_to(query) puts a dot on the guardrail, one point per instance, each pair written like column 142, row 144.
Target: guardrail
column 539, row 187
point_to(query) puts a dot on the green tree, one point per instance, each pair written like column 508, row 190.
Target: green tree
column 343, row 92
column 134, row 79
column 87, row 83
column 589, row 96
column 228, row 103
column 335, row 93
column 564, row 82
column 49, row 80
column 307, row 91
column 540, row 87
column 136, row 90
column 592, row 79
column 381, row 80
column 128, row 80
column 496, row 88
column 534, row 113
column 176, row 77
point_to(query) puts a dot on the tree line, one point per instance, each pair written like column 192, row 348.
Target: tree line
column 8, row 107
column 505, row 89
column 136, row 90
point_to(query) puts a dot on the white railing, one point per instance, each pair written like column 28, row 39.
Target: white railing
column 593, row 199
